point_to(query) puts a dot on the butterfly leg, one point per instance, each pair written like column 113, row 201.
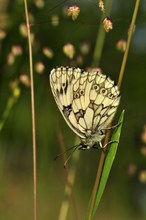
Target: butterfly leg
column 112, row 127
column 100, row 146
column 97, row 146
column 110, row 142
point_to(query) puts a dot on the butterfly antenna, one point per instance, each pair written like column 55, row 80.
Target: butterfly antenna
column 59, row 155
column 75, row 147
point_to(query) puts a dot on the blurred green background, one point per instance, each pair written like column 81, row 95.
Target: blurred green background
column 125, row 194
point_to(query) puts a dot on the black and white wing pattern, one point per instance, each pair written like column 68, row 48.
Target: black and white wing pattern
column 87, row 100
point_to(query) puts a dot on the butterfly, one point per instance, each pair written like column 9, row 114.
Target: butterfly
column 87, row 100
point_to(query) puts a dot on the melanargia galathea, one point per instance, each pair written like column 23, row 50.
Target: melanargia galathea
column 87, row 100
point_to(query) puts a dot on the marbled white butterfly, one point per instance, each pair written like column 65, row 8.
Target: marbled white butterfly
column 87, row 100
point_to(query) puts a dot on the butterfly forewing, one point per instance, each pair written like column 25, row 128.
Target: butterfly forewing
column 62, row 81
column 87, row 100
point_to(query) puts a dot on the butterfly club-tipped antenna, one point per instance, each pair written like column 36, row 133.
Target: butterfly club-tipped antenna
column 75, row 148
column 69, row 149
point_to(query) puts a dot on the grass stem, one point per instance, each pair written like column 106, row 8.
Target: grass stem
column 32, row 112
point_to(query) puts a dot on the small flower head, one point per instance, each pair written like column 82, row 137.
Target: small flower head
column 143, row 150
column 24, row 79
column 39, row 67
column 143, row 135
column 16, row 50
column 107, row 24
column 55, row 20
column 121, row 45
column 101, row 5
column 142, row 176
column 14, row 86
column 69, row 50
column 10, row 58
column 23, row 30
column 73, row 11
column 94, row 69
column 48, row 52
column 39, row 3
column 84, row 48
column 131, row 169
column 3, row 34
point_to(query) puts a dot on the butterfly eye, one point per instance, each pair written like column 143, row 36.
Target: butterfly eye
column 95, row 87
column 103, row 91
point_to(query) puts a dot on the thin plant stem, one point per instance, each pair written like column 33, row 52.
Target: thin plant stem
column 131, row 29
column 32, row 112
column 103, row 154
column 10, row 104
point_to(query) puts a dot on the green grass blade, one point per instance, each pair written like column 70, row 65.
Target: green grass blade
column 107, row 165
column 10, row 103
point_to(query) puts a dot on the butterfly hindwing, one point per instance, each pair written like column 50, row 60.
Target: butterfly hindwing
column 105, row 103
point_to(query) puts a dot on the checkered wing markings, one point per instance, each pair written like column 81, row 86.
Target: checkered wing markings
column 99, row 107
column 87, row 101
column 81, row 101
column 106, row 108
column 62, row 81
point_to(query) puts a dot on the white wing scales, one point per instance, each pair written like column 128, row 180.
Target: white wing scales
column 87, row 100
column 63, row 94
